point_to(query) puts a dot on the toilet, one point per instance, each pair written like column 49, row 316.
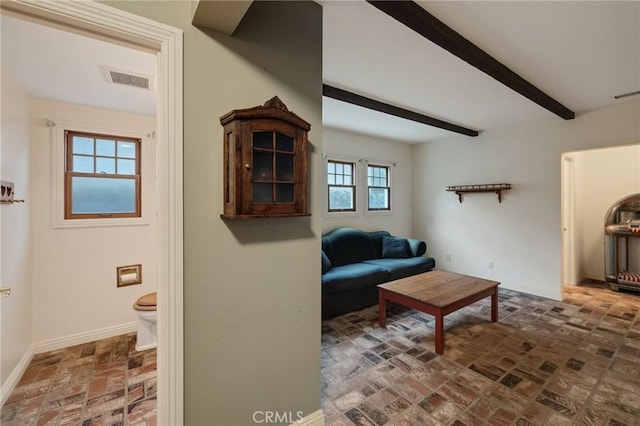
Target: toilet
column 145, row 308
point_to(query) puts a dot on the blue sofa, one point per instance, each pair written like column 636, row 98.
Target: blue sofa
column 354, row 262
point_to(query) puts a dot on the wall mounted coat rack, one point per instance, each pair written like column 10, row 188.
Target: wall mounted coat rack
column 487, row 187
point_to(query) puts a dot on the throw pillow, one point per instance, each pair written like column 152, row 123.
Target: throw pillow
column 326, row 263
column 395, row 247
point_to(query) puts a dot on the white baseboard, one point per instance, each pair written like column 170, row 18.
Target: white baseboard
column 10, row 384
column 314, row 419
column 85, row 337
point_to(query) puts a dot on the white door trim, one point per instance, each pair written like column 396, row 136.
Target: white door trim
column 120, row 26
column 568, row 221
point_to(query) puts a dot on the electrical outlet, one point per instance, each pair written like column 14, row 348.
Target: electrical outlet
column 448, row 258
column 490, row 264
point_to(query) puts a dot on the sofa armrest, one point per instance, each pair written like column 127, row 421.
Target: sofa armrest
column 418, row 247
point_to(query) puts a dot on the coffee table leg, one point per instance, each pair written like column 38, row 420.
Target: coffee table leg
column 382, row 309
column 439, row 334
column 494, row 306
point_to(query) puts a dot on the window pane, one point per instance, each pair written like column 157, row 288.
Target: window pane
column 126, row 167
column 262, row 193
column 102, row 195
column 105, row 165
column 284, row 167
column 126, row 149
column 340, row 168
column 284, row 143
column 82, row 164
column 263, row 140
column 339, row 180
column 331, row 167
column 262, row 165
column 105, row 147
column 379, row 198
column 340, row 198
column 331, row 179
column 82, row 145
column 284, row 193
column 383, row 173
column 347, row 180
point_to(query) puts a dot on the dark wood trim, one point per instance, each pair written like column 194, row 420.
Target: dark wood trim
column 355, row 99
column 418, row 19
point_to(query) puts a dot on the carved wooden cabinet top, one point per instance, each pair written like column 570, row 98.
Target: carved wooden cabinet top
column 273, row 108
column 265, row 162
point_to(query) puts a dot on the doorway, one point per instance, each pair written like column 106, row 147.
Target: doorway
column 592, row 180
column 117, row 26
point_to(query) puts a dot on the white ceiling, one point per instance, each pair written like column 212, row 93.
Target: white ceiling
column 52, row 64
column 580, row 53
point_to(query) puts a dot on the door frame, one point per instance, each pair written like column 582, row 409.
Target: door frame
column 568, row 221
column 118, row 26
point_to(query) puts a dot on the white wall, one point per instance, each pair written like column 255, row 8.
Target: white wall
column 602, row 177
column 340, row 144
column 75, row 268
column 522, row 236
column 16, row 325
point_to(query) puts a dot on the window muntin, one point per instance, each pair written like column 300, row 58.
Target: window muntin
column 102, row 176
column 341, row 186
column 378, row 188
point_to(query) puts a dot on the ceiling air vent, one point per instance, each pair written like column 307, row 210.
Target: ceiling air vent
column 626, row 95
column 127, row 78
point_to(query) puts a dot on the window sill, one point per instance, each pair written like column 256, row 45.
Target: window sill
column 100, row 223
column 341, row 214
column 378, row 212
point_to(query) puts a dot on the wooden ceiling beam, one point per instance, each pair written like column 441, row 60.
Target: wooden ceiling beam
column 355, row 99
column 418, row 19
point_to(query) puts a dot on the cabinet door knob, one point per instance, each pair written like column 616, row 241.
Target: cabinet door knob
column 247, row 166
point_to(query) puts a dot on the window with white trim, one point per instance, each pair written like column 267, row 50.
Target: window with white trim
column 341, row 180
column 102, row 176
column 378, row 188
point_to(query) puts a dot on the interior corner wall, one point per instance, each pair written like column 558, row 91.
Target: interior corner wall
column 602, row 177
column 521, row 235
column 251, row 287
column 15, row 237
column 75, row 291
column 340, row 144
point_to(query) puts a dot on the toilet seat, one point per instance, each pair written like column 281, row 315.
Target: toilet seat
column 146, row 302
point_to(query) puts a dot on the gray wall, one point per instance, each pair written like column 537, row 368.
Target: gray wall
column 252, row 287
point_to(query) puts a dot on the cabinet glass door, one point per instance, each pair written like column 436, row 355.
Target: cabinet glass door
column 273, row 168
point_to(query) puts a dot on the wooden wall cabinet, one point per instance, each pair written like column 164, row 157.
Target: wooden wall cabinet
column 265, row 162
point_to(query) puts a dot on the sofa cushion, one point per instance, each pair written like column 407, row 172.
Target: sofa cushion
column 395, row 247
column 344, row 246
column 376, row 240
column 418, row 247
column 400, row 268
column 326, row 263
column 352, row 277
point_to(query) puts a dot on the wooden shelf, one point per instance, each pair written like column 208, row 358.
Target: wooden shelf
column 487, row 187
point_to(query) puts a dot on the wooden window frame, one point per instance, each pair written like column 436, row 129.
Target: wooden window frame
column 387, row 187
column 353, row 186
column 69, row 174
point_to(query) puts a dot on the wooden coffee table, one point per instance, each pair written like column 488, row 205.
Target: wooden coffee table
column 437, row 293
